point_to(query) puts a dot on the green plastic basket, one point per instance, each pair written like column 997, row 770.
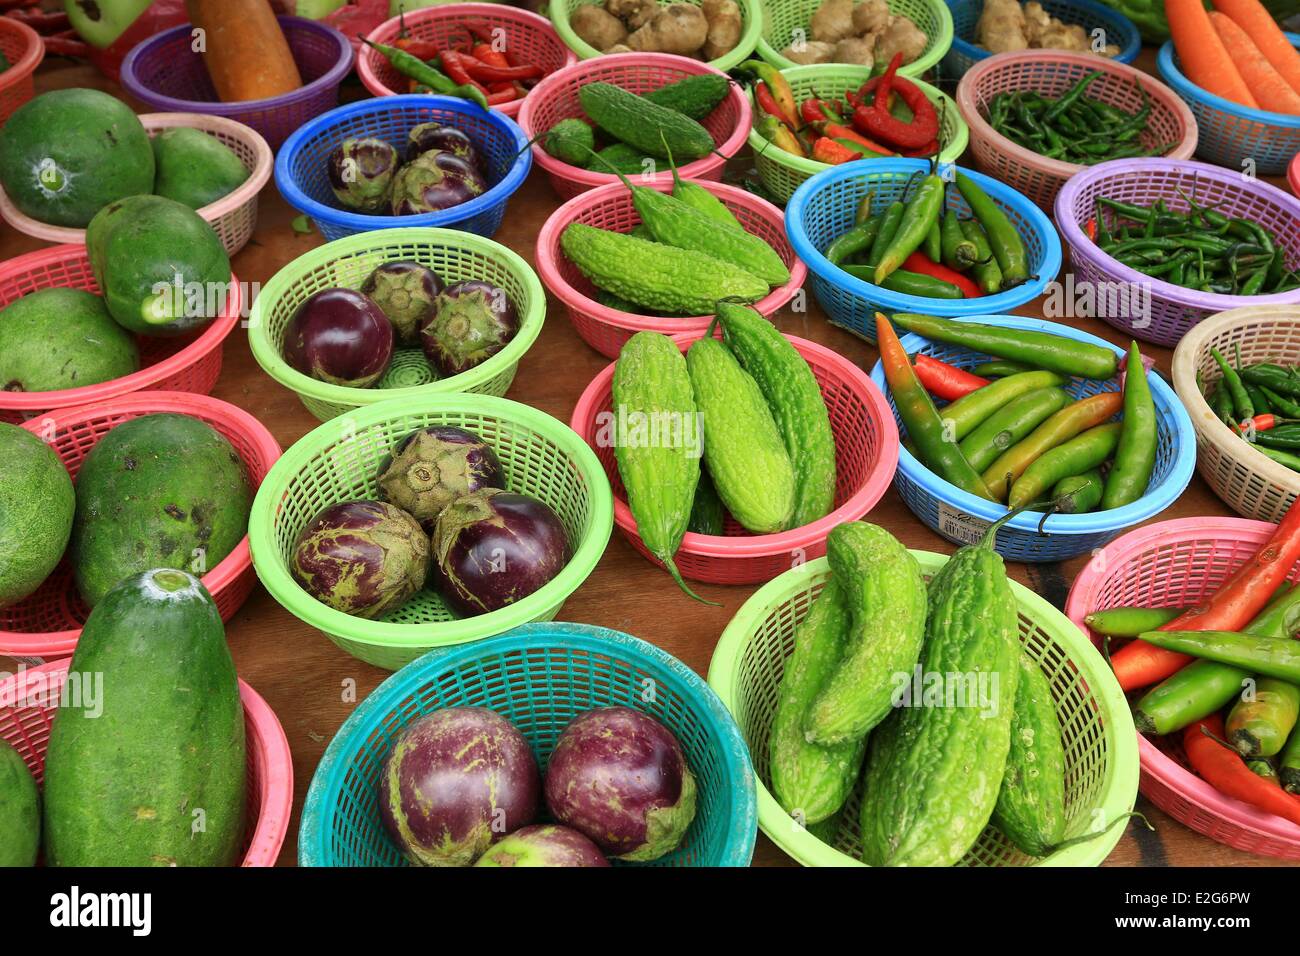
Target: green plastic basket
column 750, row 15
column 1101, row 757
column 454, row 255
column 785, row 21
column 338, row 461
column 782, row 173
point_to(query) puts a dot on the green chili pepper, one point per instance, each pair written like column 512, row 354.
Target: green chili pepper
column 1078, row 494
column 1135, row 458
column 985, row 268
column 1285, row 458
column 1009, row 424
column 1289, row 762
column 1276, row 377
column 1281, row 404
column 1085, row 451
column 857, row 239
column 1008, row 248
column 1260, row 723
column 889, row 223
column 1039, row 349
column 999, row 368
column 956, row 251
column 416, row 69
column 1241, row 404
column 921, row 213
column 1131, row 621
column 934, row 242
column 969, row 411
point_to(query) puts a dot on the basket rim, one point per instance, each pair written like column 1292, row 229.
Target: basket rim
column 502, row 191
column 767, row 545
column 1127, row 54
column 548, row 259
column 606, row 642
column 1293, row 174
column 210, row 339
column 1080, row 244
column 751, row 10
column 1152, row 502
column 1155, row 763
column 274, row 364
column 930, row 57
column 1167, row 65
column 1055, row 167
column 1121, row 779
column 332, row 77
column 274, row 575
column 31, row 58
column 886, row 300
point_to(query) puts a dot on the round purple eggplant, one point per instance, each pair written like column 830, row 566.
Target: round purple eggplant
column 493, row 548
column 449, row 139
column 455, row 782
column 432, row 467
column 340, row 336
column 361, row 173
column 620, row 777
column 471, row 322
column 361, row 557
column 434, row 181
column 544, row 845
column 406, row 291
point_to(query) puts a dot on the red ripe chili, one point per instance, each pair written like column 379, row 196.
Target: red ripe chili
column 838, row 131
column 826, row 150
column 878, row 123
column 489, row 54
column 946, row 381
column 819, row 111
column 424, row 49
column 919, row 262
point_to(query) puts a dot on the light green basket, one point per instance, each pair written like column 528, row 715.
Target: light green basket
column 339, row 460
column 1101, row 757
column 751, row 18
column 782, row 173
column 785, row 21
column 345, row 263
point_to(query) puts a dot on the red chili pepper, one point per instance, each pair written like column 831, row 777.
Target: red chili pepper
column 1222, row 768
column 920, row 262
column 505, row 96
column 946, row 381
column 422, row 49
column 819, row 111
column 489, row 54
column 885, row 82
column 1260, row 423
column 454, row 64
column 767, row 102
column 929, row 149
column 487, row 73
column 1091, row 229
column 838, row 131
column 826, row 150
column 486, row 33
column 879, row 123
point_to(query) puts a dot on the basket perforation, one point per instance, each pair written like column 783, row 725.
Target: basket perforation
column 786, row 21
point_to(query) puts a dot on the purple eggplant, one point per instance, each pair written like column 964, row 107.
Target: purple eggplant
column 544, row 845
column 434, row 181
column 406, row 291
column 432, row 467
column 340, row 336
column 620, row 777
column 493, row 548
column 455, row 782
column 361, row 557
column 361, row 173
column 471, row 322
column 449, row 139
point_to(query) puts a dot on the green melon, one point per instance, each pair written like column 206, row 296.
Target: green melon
column 62, row 338
column 20, row 811
column 36, row 511
column 195, row 168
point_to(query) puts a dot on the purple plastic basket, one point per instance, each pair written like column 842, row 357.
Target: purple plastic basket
column 165, row 73
column 1172, row 309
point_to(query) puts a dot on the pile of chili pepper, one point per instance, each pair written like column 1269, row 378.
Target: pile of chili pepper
column 1197, row 248
column 1075, row 127
column 1261, row 403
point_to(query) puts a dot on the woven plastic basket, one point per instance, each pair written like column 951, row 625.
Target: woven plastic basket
column 165, row 73
column 610, row 207
column 556, row 98
column 47, row 623
column 823, row 208
column 751, row 18
column 1101, row 766
column 29, row 705
column 339, row 461
column 1171, row 310
column 788, row 21
column 1293, row 174
column 527, row 37
column 24, row 49
column 1179, row 564
column 454, row 256
column 1051, row 73
column 1248, row 482
column 782, row 173
column 963, row 517
column 1243, row 139
column 301, row 167
column 189, row 363
column 1116, row 28
column 233, row 217
column 866, row 453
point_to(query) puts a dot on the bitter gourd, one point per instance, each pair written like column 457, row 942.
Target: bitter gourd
column 644, row 124
column 1030, row 808
column 707, row 511
column 622, row 158
column 693, row 96
column 676, row 223
column 570, row 141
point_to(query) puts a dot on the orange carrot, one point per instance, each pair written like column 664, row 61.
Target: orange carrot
column 1253, row 17
column 1271, row 91
column 1201, row 52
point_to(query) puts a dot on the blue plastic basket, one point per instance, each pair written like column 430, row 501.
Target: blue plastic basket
column 824, row 207
column 963, row 54
column 962, row 517
column 539, row 676
column 301, row 176
column 1232, row 135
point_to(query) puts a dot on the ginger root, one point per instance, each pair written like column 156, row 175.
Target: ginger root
column 634, row 13
column 860, row 32
column 832, row 21
column 810, row 51
column 597, row 26
column 723, row 17
column 1002, row 27
column 870, row 16
column 901, row 36
column 860, row 51
column 1005, row 25
column 677, row 28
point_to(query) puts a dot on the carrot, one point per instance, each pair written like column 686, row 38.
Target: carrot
column 1201, row 52
column 1222, row 768
column 1259, row 25
column 1271, row 91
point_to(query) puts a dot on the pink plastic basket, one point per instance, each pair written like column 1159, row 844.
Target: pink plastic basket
column 1051, row 73
column 48, row 622
column 866, row 453
column 528, row 38
column 556, row 98
column 29, row 706
column 1177, row 564
column 610, row 207
column 233, row 217
column 1293, row 174
column 188, row 363
column 24, row 49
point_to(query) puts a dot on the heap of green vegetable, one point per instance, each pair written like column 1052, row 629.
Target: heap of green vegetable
column 1261, row 404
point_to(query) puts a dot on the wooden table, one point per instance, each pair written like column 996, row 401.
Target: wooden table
column 303, row 675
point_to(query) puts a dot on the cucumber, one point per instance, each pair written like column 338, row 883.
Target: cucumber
column 694, row 96
column 570, row 141
column 1030, row 808
column 644, row 124
column 707, row 512
column 20, row 811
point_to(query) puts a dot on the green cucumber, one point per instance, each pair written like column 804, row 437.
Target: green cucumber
column 644, row 124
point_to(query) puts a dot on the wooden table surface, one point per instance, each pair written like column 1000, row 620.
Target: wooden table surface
column 302, row 675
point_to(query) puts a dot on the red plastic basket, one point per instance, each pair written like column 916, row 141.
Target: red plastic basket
column 48, row 622
column 528, row 38
column 1177, row 564
column 24, row 49
column 28, row 706
column 610, row 207
column 189, row 363
column 866, row 454
column 556, row 98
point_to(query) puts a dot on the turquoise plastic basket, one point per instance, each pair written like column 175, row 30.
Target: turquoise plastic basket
column 539, row 676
